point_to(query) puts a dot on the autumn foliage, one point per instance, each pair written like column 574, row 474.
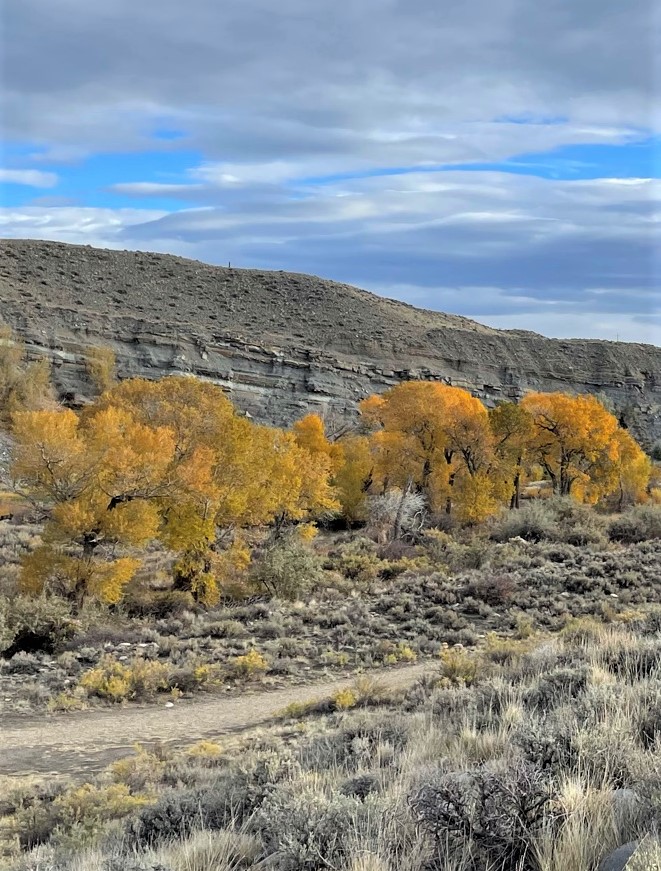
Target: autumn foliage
column 173, row 461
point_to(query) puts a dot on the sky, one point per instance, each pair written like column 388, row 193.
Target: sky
column 500, row 160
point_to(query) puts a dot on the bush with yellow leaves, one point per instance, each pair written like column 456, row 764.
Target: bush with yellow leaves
column 114, row 681
column 251, row 664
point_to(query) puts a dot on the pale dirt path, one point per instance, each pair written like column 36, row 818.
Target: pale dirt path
column 88, row 741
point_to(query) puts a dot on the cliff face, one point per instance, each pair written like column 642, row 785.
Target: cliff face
column 281, row 344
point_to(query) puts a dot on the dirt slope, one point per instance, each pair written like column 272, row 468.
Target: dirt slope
column 282, row 344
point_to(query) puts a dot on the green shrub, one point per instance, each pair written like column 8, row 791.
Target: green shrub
column 640, row 523
column 287, row 569
column 34, row 624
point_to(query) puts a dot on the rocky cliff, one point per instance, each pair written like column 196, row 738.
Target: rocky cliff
column 283, row 343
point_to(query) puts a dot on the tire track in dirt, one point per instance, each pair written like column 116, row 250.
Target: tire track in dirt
column 88, row 741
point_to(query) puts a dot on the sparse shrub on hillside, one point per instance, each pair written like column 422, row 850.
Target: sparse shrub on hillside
column 287, row 568
column 640, row 523
column 34, row 624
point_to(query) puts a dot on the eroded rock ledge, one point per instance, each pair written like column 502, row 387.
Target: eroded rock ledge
column 281, row 344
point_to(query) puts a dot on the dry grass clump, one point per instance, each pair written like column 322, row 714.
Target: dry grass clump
column 546, row 756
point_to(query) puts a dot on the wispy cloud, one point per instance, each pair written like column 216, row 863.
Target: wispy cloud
column 28, row 177
column 470, row 156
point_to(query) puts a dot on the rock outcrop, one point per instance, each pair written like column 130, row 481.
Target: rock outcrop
column 282, row 343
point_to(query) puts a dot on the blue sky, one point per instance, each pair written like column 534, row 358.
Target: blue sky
column 462, row 157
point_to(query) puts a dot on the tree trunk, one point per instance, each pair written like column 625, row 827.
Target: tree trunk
column 397, row 527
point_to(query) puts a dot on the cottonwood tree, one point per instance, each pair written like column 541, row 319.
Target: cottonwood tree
column 169, row 459
column 439, row 437
column 353, row 479
column 512, row 427
column 574, row 440
column 228, row 473
column 99, row 481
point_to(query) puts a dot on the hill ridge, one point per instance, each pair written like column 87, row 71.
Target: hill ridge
column 281, row 343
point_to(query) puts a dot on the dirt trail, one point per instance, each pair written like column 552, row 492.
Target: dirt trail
column 88, row 741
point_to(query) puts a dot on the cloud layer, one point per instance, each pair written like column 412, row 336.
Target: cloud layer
column 316, row 132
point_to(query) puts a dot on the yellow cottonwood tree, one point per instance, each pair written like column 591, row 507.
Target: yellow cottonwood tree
column 227, row 473
column 575, row 441
column 354, row 477
column 438, row 437
column 310, row 434
column 98, row 480
column 512, row 428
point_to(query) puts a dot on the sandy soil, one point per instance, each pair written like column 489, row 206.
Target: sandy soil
column 88, row 741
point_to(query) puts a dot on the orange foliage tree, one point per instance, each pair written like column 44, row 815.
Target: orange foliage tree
column 169, row 459
column 98, row 480
column 575, row 442
column 437, row 437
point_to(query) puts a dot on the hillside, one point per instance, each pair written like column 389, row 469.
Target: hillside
column 281, row 342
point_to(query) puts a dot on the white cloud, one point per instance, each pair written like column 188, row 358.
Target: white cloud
column 279, row 99
column 557, row 257
column 29, row 177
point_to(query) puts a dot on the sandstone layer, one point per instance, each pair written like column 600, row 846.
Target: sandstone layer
column 281, row 343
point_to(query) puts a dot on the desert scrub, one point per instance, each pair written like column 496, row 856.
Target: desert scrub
column 115, row 682
column 288, row 568
column 555, row 519
column 74, row 816
column 345, row 699
column 251, row 664
column 461, row 666
column 391, row 653
column 357, row 560
column 34, row 624
column 640, row 523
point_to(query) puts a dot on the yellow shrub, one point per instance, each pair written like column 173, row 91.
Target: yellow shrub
column 115, row 681
column 333, row 657
column 65, row 702
column 506, row 650
column 204, row 750
column 207, row 674
column 90, row 803
column 250, row 664
column 139, row 770
column 404, row 653
column 307, row 531
column 345, row 699
column 296, row 710
column 460, row 666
